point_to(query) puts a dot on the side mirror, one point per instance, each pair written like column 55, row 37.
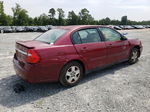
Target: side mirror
column 123, row 38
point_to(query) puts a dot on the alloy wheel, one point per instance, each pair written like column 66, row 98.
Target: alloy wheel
column 134, row 55
column 72, row 74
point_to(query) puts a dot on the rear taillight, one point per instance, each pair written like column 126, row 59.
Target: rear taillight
column 32, row 56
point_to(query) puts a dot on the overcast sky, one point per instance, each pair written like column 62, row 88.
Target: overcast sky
column 135, row 9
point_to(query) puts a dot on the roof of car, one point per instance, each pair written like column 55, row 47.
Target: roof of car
column 73, row 27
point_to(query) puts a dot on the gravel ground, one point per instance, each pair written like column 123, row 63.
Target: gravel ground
column 120, row 88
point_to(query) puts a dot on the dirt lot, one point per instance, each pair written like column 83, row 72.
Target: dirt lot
column 120, row 88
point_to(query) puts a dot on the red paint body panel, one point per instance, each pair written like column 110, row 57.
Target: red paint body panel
column 117, row 50
column 94, row 54
column 54, row 56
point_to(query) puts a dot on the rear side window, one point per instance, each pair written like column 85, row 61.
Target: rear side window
column 86, row 36
column 76, row 39
column 51, row 36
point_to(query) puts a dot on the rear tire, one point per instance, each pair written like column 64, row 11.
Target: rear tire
column 71, row 74
column 134, row 56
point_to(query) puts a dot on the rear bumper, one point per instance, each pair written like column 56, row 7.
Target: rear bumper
column 35, row 73
column 24, row 73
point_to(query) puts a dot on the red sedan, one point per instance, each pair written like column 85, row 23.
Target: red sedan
column 66, row 53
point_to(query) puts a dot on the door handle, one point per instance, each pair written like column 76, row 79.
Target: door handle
column 83, row 49
column 109, row 45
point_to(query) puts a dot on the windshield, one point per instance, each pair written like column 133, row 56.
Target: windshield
column 51, row 36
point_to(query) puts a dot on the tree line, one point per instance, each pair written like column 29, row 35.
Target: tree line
column 21, row 18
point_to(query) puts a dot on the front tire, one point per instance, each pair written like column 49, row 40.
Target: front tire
column 134, row 56
column 71, row 74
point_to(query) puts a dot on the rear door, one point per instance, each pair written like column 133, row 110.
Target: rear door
column 117, row 49
column 90, row 47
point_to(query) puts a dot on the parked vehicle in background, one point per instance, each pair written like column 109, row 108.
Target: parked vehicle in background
column 111, row 26
column 66, row 53
column 20, row 29
column 29, row 28
column 138, row 26
column 142, row 27
column 146, row 26
column 13, row 28
column 128, row 27
column 42, row 29
column 121, row 26
column 7, row 29
column 117, row 28
column 35, row 28
column 49, row 27
column 135, row 26
column 32, row 28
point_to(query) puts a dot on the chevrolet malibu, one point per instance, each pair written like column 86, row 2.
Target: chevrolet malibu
column 66, row 53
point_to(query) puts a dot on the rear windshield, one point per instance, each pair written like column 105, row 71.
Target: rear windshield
column 51, row 36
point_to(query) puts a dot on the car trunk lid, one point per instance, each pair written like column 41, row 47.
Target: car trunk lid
column 22, row 48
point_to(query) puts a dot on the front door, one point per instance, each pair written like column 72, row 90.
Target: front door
column 117, row 49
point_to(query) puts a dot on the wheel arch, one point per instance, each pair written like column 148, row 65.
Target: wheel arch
column 75, row 60
column 80, row 62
